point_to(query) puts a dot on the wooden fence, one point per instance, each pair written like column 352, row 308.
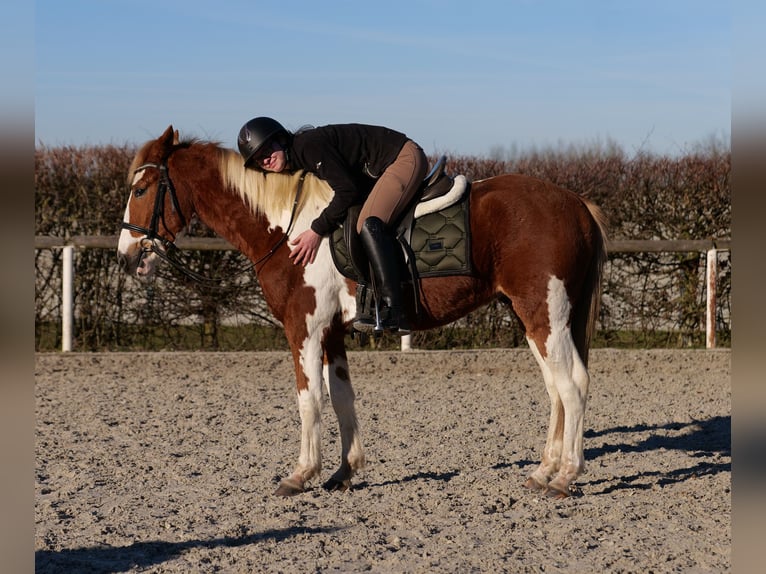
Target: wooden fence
column 69, row 244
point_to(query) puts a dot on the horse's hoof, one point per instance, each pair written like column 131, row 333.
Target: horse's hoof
column 556, row 494
column 335, row 485
column 289, row 487
column 561, row 488
column 532, row 484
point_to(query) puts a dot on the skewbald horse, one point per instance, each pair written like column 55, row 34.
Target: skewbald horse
column 535, row 245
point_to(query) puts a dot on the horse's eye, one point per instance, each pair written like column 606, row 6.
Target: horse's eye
column 139, row 191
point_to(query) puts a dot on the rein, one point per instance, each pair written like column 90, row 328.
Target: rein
column 166, row 249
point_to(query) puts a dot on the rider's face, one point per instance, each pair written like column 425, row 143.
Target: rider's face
column 272, row 157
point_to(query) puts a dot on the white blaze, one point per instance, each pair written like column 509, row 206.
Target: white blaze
column 126, row 239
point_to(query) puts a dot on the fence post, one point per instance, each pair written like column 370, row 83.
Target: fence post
column 67, row 300
column 711, row 269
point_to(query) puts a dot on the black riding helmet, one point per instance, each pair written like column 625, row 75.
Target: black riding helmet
column 255, row 133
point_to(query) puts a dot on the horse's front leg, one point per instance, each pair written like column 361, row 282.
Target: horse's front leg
column 342, row 396
column 307, row 357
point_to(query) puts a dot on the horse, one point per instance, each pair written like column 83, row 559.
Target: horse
column 534, row 245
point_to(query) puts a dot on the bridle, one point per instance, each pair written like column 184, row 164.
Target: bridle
column 164, row 185
column 165, row 248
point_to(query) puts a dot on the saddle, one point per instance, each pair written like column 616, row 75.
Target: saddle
column 433, row 233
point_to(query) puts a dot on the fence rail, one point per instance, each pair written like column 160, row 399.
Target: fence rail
column 218, row 244
column 68, row 244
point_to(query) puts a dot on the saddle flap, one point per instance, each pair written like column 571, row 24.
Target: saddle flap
column 348, row 253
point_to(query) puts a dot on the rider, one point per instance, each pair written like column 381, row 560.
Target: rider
column 370, row 165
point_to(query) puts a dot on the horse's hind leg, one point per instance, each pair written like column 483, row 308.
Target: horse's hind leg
column 566, row 380
column 571, row 380
column 549, row 465
column 342, row 397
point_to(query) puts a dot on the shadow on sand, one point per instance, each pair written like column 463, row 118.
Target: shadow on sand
column 706, row 439
column 709, row 438
column 142, row 555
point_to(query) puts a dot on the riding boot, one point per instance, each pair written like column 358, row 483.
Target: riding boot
column 383, row 253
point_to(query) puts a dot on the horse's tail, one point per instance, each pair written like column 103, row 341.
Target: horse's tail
column 587, row 308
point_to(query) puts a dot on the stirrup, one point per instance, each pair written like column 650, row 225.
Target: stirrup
column 391, row 322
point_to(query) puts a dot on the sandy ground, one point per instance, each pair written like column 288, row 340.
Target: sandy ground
column 166, row 462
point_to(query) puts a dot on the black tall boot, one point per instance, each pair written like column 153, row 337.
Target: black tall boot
column 383, row 253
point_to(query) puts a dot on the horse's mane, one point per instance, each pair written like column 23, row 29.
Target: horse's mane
column 269, row 194
column 272, row 193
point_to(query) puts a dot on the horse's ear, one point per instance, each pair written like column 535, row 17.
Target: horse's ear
column 176, row 139
column 167, row 137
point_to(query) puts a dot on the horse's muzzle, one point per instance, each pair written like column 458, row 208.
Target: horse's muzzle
column 130, row 263
column 139, row 263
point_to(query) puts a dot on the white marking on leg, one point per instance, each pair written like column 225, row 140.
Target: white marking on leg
column 570, row 378
column 549, row 464
column 310, row 410
column 310, row 458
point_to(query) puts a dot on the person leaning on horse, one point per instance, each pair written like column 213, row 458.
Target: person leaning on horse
column 374, row 166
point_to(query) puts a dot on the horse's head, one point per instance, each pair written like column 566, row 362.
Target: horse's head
column 153, row 216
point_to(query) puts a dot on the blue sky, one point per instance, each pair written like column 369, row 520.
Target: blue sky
column 461, row 77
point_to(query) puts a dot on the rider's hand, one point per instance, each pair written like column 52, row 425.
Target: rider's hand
column 305, row 247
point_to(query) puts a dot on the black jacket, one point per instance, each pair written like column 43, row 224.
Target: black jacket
column 350, row 157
